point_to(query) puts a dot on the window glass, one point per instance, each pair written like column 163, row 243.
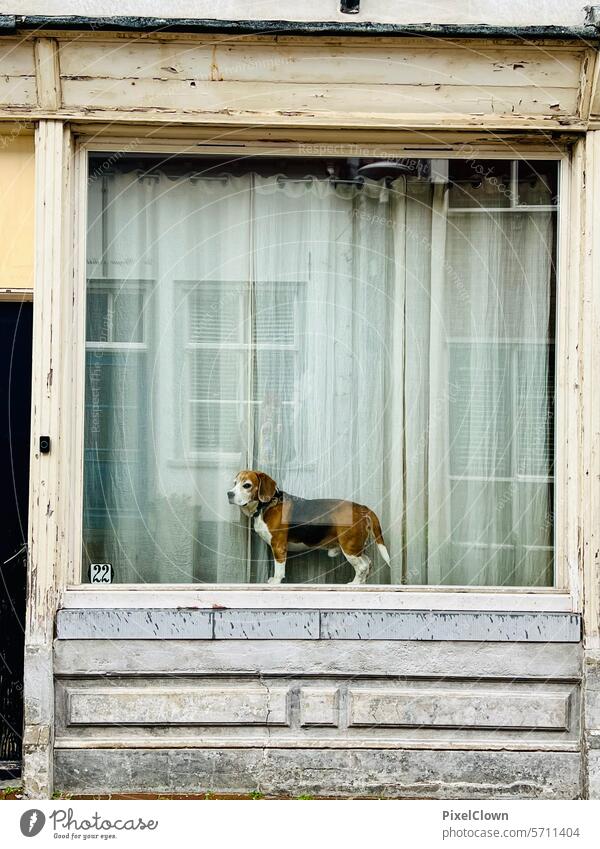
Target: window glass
column 379, row 332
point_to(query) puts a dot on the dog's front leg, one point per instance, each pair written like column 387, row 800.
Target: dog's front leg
column 279, row 549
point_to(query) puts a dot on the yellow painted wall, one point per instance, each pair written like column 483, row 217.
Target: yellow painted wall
column 16, row 211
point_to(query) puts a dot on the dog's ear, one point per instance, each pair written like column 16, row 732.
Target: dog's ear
column 266, row 487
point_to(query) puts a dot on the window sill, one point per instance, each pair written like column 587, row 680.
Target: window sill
column 318, row 597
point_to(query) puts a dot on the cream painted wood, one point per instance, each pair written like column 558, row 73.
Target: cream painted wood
column 568, row 445
column 323, row 62
column 296, row 141
column 339, row 141
column 77, row 296
column 47, row 72
column 313, row 101
column 320, row 77
column 370, row 597
column 594, row 97
column 331, row 82
column 17, row 79
column 316, row 597
column 51, row 415
column 590, row 501
column 279, row 79
column 587, row 83
column 422, row 123
column 48, row 508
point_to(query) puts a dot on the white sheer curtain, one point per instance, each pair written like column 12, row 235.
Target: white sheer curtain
column 501, row 381
column 353, row 341
column 327, row 251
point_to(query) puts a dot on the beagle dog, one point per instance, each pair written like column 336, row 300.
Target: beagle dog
column 288, row 523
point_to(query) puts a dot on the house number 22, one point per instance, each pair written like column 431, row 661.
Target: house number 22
column 101, row 573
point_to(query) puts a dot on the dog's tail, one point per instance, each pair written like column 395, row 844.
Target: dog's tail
column 377, row 535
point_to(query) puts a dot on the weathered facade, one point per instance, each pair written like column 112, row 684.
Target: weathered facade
column 427, row 691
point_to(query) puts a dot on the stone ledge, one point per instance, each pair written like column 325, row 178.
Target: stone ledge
column 249, row 624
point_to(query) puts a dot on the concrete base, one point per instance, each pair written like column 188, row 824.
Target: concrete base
column 322, row 772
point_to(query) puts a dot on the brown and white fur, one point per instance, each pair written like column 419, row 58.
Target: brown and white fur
column 288, row 523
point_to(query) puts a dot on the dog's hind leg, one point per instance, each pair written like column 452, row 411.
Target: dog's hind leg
column 361, row 565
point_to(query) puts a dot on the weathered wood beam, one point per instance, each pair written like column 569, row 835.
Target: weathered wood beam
column 47, row 552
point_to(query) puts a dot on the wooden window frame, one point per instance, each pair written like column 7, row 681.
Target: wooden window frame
column 563, row 596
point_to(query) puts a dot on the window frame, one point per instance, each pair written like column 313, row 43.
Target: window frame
column 188, row 456
column 563, row 596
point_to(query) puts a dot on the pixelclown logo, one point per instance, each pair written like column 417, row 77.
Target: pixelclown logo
column 32, row 822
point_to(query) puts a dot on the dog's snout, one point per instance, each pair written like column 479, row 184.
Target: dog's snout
column 230, row 494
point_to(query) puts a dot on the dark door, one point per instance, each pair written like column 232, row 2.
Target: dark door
column 15, row 401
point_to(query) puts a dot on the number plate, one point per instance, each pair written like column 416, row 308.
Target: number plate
column 101, row 573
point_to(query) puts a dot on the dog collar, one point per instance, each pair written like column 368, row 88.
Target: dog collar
column 277, row 497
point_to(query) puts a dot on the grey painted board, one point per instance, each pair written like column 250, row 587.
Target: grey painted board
column 291, row 772
column 541, row 661
column 272, row 624
column 266, row 624
column 134, row 624
column 442, row 625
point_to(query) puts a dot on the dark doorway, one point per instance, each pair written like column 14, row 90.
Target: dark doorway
column 15, row 402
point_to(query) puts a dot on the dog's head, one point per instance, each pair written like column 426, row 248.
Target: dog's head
column 251, row 487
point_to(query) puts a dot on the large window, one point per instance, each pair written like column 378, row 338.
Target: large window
column 380, row 331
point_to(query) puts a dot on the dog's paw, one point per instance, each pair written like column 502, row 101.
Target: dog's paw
column 274, row 580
